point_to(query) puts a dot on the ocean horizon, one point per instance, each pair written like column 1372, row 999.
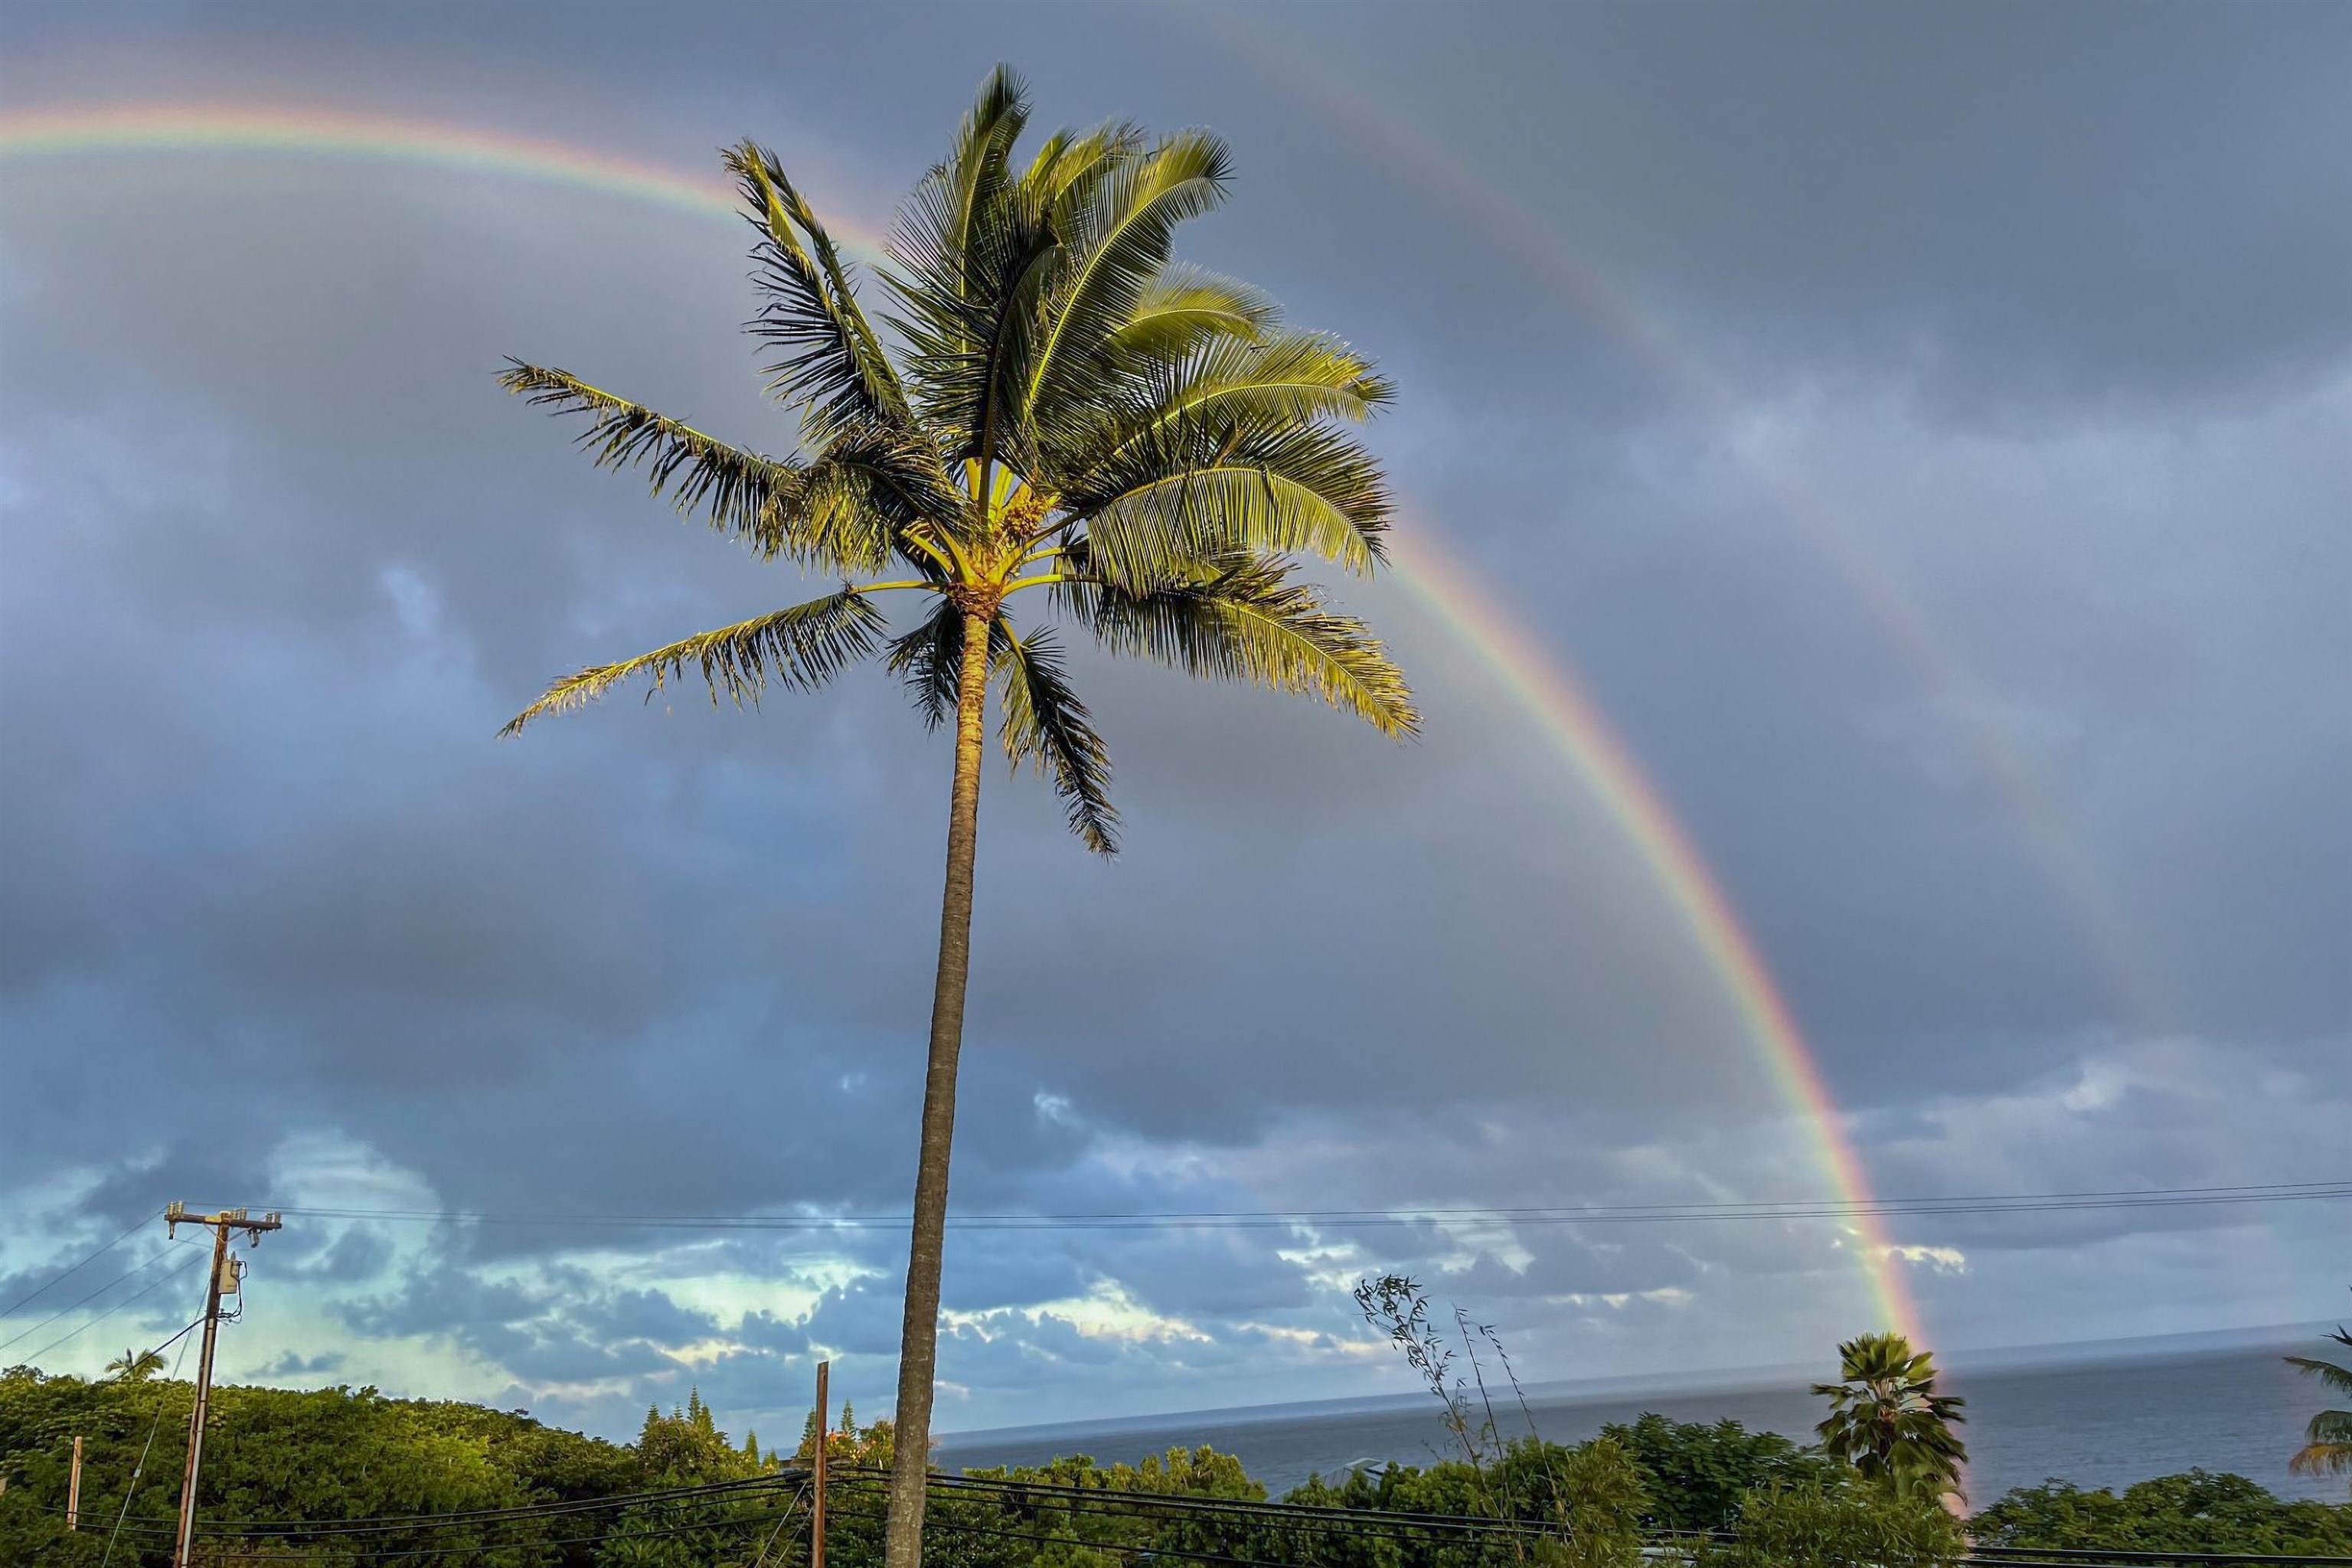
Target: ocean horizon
column 2097, row 1413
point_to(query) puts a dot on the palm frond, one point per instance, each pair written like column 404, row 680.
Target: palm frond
column 830, row 360
column 1309, row 493
column 1245, row 619
column 968, row 249
column 735, row 489
column 930, row 660
column 2331, row 1455
column 1117, row 232
column 2338, row 1378
column 800, row 647
column 1046, row 723
column 1232, row 395
column 1182, row 307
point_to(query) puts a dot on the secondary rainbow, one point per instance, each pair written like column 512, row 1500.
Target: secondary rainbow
column 1536, row 677
column 1533, row 241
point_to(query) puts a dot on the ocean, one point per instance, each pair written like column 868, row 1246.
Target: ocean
column 2098, row 1417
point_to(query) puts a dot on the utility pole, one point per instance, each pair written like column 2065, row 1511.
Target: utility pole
column 221, row 1281
column 816, row 1504
column 73, row 1490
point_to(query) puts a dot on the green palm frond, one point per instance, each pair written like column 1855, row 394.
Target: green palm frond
column 930, row 660
column 2338, row 1378
column 1246, row 620
column 737, row 490
column 1230, row 393
column 1118, row 232
column 1059, row 404
column 1046, row 723
column 831, row 363
column 1156, row 529
column 969, row 241
column 800, row 647
column 1185, row 306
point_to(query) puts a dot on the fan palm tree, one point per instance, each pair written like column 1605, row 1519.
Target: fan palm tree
column 135, row 1366
column 1888, row 1422
column 1062, row 414
column 2328, row 1441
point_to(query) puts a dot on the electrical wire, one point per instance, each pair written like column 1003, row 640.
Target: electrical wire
column 94, row 1295
column 1596, row 1213
column 59, row 1278
column 131, row 1488
column 136, row 1295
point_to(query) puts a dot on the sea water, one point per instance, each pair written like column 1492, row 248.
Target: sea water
column 2097, row 1420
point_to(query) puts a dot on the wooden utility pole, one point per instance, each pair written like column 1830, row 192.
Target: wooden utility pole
column 221, row 1281
column 816, row 1492
column 73, row 1490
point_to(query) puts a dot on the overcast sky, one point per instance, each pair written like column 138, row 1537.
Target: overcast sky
column 1922, row 430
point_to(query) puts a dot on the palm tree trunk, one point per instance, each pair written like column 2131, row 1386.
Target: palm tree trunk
column 919, row 1333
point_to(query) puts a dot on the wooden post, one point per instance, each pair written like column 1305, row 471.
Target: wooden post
column 223, row 1277
column 817, row 1485
column 73, row 1490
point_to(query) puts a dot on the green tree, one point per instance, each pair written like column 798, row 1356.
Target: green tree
column 2328, row 1441
column 1062, row 411
column 1605, row 1501
column 1817, row 1526
column 2198, row 1510
column 1696, row 1474
column 1888, row 1422
column 135, row 1366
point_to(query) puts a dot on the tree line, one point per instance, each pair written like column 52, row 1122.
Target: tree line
column 382, row 1479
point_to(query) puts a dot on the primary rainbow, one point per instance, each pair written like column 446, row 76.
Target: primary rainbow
column 1536, row 677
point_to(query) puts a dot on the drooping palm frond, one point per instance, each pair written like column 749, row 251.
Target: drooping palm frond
column 1245, row 619
column 2328, row 1445
column 1046, row 723
column 830, row 361
column 1118, row 232
column 735, row 489
column 2338, row 1378
column 930, row 659
column 801, row 648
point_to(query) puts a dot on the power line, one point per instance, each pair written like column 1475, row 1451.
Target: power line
column 59, row 1278
column 94, row 1295
column 1593, row 1214
column 144, row 1290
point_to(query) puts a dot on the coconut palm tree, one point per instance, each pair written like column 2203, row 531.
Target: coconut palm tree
column 135, row 1366
column 2328, row 1441
column 1888, row 1422
column 1059, row 413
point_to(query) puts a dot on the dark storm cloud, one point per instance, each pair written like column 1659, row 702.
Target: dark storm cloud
column 2030, row 309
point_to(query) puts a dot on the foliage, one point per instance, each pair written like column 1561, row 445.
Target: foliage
column 1606, row 1503
column 1054, row 407
column 336, row 1453
column 2328, row 1441
column 1697, row 1475
column 135, row 1366
column 2195, row 1512
column 1888, row 1422
column 1839, row 1526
